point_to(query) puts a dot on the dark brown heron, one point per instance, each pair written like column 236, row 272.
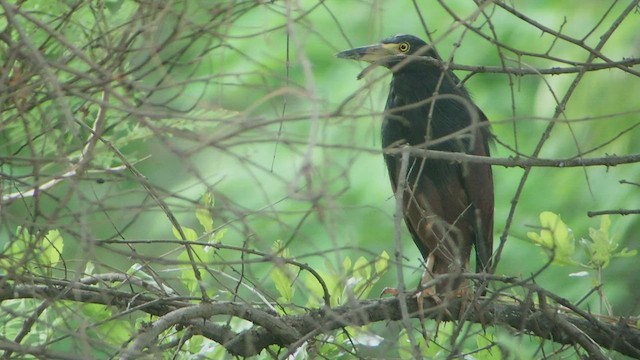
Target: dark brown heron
column 447, row 205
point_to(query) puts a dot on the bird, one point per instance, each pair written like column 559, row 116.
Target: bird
column 447, row 205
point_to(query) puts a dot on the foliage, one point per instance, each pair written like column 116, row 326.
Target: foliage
column 32, row 253
column 557, row 238
column 601, row 247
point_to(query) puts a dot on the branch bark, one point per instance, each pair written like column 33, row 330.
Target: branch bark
column 563, row 324
column 558, row 326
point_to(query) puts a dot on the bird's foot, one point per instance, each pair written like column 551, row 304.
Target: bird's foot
column 420, row 295
column 389, row 291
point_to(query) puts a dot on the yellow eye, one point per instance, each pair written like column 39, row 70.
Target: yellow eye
column 404, row 47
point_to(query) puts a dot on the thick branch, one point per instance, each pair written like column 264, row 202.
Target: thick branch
column 564, row 325
column 560, row 327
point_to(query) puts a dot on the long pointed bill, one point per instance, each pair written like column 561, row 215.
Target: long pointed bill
column 371, row 53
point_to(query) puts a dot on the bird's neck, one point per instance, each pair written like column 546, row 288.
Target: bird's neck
column 420, row 81
column 420, row 107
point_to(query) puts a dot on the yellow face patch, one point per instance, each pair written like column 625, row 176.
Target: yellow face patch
column 373, row 53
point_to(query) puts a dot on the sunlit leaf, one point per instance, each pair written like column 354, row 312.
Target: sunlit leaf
column 382, row 263
column 362, row 268
column 51, row 248
column 602, row 247
column 217, row 236
column 555, row 236
column 346, row 264
column 316, row 293
column 89, row 268
column 190, row 234
column 14, row 251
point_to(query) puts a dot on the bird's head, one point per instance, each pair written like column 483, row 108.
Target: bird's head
column 390, row 50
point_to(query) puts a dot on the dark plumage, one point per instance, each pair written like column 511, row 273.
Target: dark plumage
column 448, row 206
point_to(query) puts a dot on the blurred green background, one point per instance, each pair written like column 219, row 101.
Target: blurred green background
column 263, row 115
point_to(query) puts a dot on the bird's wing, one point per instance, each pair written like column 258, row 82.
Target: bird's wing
column 477, row 180
column 437, row 214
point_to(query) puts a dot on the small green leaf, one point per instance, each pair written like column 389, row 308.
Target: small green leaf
column 188, row 279
column 14, row 251
column 605, row 224
column 89, row 268
column 346, row 264
column 51, row 248
column 362, row 269
column 195, row 345
column 204, row 218
column 217, row 236
column 602, row 247
column 284, row 285
column 314, row 289
column 278, row 249
column 208, row 200
column 382, row 263
column 626, row 253
column 46, row 251
column 190, row 234
column 555, row 236
column 282, row 274
column 203, row 213
column 96, row 311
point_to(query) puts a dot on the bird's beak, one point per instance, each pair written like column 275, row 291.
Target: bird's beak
column 371, row 53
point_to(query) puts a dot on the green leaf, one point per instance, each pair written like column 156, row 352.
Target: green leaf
column 282, row 274
column 14, row 251
column 218, row 235
column 382, row 263
column 605, row 224
column 278, row 249
column 204, row 218
column 283, row 284
column 346, row 264
column 362, row 269
column 96, row 311
column 203, row 213
column 208, row 200
column 602, row 247
column 556, row 237
column 190, row 234
column 626, row 253
column 315, row 289
column 89, row 268
column 51, row 248
column 45, row 253
column 188, row 279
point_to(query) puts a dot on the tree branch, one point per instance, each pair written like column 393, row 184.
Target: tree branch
column 563, row 324
column 610, row 160
column 558, row 326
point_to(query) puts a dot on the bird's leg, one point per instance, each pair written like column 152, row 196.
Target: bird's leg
column 426, row 292
column 428, row 276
